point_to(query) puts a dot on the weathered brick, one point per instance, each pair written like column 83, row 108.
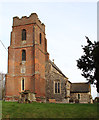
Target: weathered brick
column 35, row 57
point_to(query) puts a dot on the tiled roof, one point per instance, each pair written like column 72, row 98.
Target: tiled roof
column 56, row 68
column 80, row 87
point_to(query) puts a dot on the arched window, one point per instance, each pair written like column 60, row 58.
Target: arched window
column 23, row 84
column 40, row 38
column 57, row 87
column 23, row 55
column 23, row 34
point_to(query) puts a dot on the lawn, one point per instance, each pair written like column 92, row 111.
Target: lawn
column 48, row 110
column 0, row 109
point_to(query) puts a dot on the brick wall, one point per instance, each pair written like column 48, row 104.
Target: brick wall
column 34, row 66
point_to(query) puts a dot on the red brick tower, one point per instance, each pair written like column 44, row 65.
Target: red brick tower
column 27, row 54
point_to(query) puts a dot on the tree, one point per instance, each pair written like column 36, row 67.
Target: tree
column 2, row 85
column 89, row 62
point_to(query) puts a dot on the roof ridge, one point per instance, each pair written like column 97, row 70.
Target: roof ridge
column 55, row 66
column 81, row 83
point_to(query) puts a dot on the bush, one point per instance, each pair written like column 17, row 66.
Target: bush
column 77, row 101
column 71, row 100
column 96, row 100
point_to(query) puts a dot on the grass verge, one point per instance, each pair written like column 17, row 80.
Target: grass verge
column 48, row 110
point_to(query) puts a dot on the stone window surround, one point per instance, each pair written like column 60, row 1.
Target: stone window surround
column 56, row 81
column 23, row 41
column 23, row 69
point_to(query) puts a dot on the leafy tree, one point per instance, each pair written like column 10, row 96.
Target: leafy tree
column 89, row 62
column 2, row 85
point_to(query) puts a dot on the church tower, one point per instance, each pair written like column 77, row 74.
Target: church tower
column 27, row 54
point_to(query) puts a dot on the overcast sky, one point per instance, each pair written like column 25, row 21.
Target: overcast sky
column 67, row 24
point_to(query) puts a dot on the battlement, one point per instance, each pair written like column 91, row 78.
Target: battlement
column 24, row 20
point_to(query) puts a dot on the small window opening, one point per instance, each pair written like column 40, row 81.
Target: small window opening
column 23, row 84
column 23, row 55
column 23, row 34
column 40, row 38
column 78, row 96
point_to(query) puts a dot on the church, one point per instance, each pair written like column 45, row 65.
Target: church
column 30, row 68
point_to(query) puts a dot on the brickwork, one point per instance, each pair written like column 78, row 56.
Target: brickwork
column 34, row 66
column 34, row 71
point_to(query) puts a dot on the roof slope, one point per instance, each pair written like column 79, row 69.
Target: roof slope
column 57, row 68
column 80, row 87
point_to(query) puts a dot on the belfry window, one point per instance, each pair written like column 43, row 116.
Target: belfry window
column 56, row 87
column 23, row 84
column 23, row 55
column 40, row 38
column 23, row 34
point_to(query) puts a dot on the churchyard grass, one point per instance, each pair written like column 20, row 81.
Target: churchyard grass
column 0, row 109
column 48, row 110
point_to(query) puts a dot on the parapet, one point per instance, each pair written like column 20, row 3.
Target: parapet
column 24, row 20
